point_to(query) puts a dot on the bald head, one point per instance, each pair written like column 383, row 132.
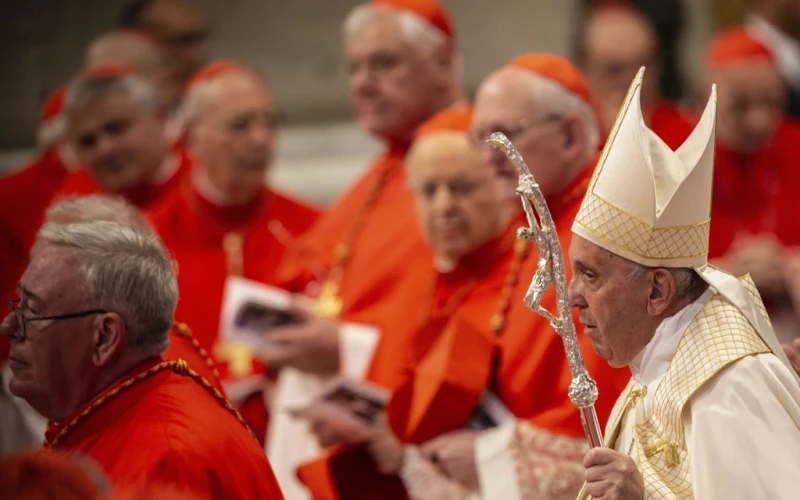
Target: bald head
column 232, row 125
column 135, row 51
column 457, row 198
column 616, row 42
column 554, row 130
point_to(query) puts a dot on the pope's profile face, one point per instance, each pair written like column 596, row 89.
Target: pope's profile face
column 394, row 84
column 49, row 364
column 610, row 299
column 235, row 134
column 750, row 105
column 121, row 145
column 456, row 196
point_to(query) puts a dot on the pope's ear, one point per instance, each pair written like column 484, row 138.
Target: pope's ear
column 663, row 291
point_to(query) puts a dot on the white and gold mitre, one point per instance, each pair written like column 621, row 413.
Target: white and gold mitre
column 646, row 202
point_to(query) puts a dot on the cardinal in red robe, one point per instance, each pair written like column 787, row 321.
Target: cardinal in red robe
column 616, row 40
column 107, row 389
column 470, row 230
column 223, row 220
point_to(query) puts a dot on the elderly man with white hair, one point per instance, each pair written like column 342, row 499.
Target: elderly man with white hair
column 22, row 426
column 225, row 221
column 88, row 331
column 117, row 129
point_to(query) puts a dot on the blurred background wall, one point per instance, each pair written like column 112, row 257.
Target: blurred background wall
column 296, row 45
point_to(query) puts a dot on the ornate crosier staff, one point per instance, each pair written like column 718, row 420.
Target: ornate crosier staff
column 550, row 268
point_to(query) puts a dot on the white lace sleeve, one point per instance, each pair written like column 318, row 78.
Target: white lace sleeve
column 520, row 461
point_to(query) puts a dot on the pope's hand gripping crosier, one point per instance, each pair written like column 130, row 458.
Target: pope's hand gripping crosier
column 551, row 268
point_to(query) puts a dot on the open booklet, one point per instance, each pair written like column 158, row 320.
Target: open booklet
column 250, row 308
column 351, row 407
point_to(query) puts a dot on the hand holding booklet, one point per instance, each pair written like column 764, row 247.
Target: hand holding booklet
column 250, row 309
column 347, row 408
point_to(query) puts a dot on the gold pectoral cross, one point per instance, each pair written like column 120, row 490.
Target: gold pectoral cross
column 238, row 355
column 328, row 303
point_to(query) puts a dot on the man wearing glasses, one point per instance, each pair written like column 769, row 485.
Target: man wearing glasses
column 87, row 334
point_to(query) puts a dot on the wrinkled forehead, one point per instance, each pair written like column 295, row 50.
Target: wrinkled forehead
column 54, row 273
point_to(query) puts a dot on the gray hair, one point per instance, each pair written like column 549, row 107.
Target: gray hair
column 556, row 99
column 415, row 29
column 86, row 89
column 688, row 284
column 126, row 271
column 97, row 207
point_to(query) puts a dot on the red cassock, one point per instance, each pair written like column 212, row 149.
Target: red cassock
column 531, row 376
column 160, row 425
column 362, row 244
column 429, row 304
column 81, row 183
column 211, row 242
column 24, row 197
column 757, row 193
column 197, row 231
column 672, row 124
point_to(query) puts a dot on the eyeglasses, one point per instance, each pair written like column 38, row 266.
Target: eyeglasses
column 480, row 136
column 22, row 321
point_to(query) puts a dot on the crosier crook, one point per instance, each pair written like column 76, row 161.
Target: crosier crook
column 551, row 268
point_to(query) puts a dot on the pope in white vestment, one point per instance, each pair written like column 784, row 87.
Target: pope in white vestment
column 713, row 408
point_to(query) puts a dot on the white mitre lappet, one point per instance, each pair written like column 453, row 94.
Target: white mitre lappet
column 652, row 205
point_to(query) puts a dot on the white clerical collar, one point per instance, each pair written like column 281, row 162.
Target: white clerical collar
column 785, row 49
column 655, row 358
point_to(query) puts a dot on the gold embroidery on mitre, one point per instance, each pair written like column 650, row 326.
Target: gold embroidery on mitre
column 716, row 337
column 626, row 232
